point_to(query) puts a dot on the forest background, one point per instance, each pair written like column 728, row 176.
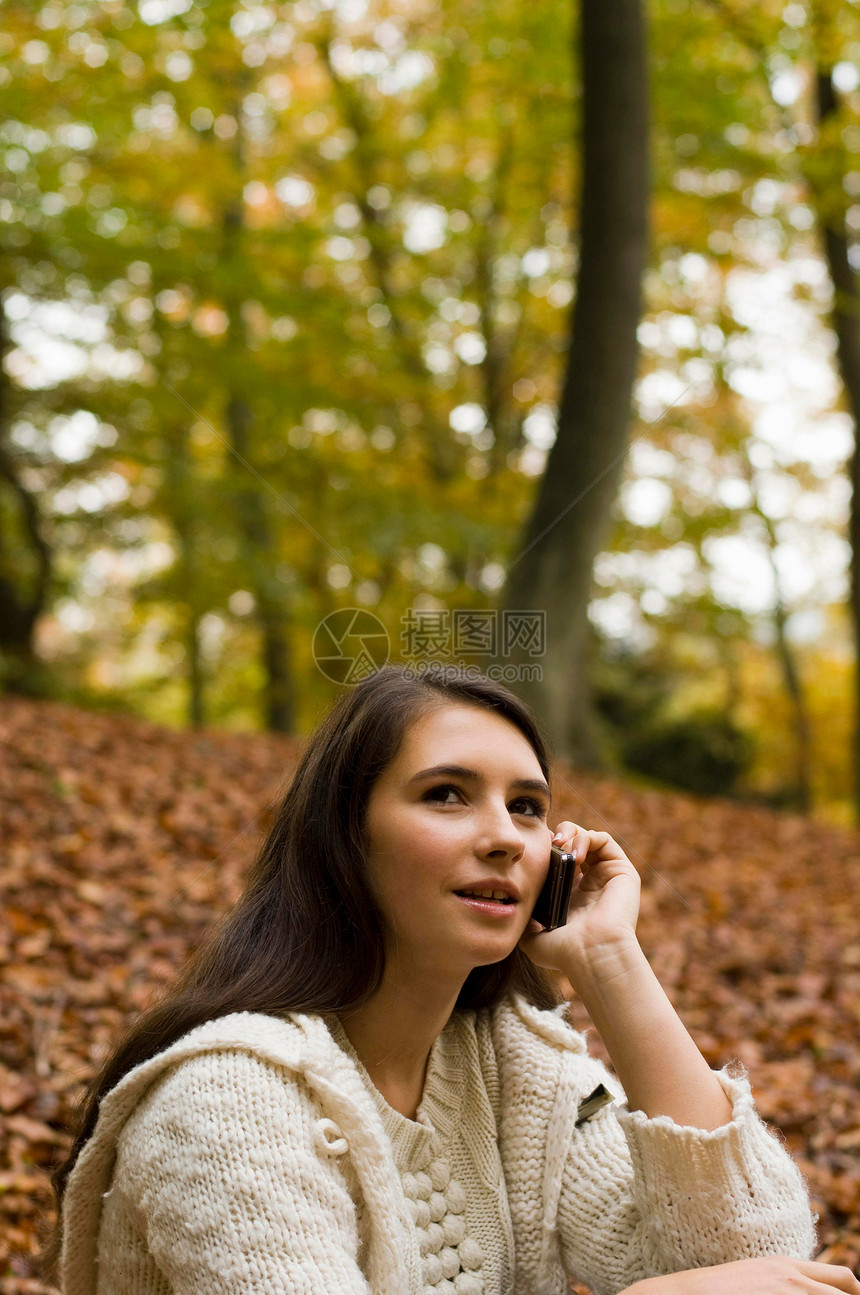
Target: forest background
column 288, row 315
column 286, row 302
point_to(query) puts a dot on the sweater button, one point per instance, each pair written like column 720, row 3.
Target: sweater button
column 328, row 1138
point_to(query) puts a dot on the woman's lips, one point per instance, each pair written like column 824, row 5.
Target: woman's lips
column 491, row 907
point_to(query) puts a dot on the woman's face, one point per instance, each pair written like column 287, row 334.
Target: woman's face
column 462, row 806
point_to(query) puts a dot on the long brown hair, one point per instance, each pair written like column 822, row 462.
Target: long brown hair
column 306, row 934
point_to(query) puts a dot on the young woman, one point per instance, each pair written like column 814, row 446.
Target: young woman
column 364, row 1081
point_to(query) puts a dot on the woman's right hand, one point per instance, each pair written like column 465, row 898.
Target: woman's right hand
column 774, row 1276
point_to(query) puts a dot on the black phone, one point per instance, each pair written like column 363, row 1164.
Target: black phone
column 551, row 907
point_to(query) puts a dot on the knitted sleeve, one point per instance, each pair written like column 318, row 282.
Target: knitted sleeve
column 235, row 1182
column 642, row 1197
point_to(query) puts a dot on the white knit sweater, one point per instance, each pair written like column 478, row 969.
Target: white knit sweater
column 255, row 1157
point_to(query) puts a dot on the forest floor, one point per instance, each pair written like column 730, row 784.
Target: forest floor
column 121, row 840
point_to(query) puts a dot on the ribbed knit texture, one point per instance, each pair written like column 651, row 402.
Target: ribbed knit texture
column 465, row 1237
column 255, row 1157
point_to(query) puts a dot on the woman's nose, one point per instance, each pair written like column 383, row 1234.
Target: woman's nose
column 500, row 834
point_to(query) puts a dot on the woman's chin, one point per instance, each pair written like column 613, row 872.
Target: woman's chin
column 488, row 952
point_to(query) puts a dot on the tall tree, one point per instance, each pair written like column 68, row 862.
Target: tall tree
column 551, row 572
column 403, row 205
column 252, row 498
column 26, row 559
column 819, row 120
column 846, row 326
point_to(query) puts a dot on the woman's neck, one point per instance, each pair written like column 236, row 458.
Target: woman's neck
column 393, row 1035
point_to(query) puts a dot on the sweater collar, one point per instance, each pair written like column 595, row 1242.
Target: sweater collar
column 445, row 1090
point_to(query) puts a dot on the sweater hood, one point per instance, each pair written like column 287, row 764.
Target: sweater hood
column 301, row 1044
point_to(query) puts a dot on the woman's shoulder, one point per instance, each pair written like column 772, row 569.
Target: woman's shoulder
column 240, row 1077
column 292, row 1039
column 536, row 1049
column 514, row 1022
column 248, row 1090
column 231, row 1061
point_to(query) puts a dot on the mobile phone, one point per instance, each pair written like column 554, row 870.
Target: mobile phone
column 551, row 907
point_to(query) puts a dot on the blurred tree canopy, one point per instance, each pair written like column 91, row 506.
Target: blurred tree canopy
column 286, row 300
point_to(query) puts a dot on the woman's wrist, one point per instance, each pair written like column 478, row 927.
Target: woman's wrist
column 659, row 1066
column 602, row 961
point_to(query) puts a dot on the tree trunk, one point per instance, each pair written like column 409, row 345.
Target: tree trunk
column 194, row 671
column 251, row 499
column 271, row 616
column 22, row 598
column 181, row 505
column 791, row 678
column 444, row 456
column 792, row 681
column 551, row 573
column 846, row 325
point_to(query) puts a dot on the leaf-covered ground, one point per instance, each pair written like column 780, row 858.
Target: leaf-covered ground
column 120, row 840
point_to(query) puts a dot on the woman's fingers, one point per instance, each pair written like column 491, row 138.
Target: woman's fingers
column 830, row 1276
column 774, row 1275
column 582, row 843
column 586, row 845
column 782, row 1274
column 567, row 835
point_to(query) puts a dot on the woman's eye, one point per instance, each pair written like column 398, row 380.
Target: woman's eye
column 536, row 806
column 533, row 808
column 434, row 793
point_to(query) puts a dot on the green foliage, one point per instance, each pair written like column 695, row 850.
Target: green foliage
column 700, row 749
column 703, row 752
column 355, row 225
column 629, row 688
column 242, row 202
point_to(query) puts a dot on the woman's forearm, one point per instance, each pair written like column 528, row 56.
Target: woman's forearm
column 659, row 1066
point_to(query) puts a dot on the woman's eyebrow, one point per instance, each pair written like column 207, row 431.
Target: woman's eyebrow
column 473, row 775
